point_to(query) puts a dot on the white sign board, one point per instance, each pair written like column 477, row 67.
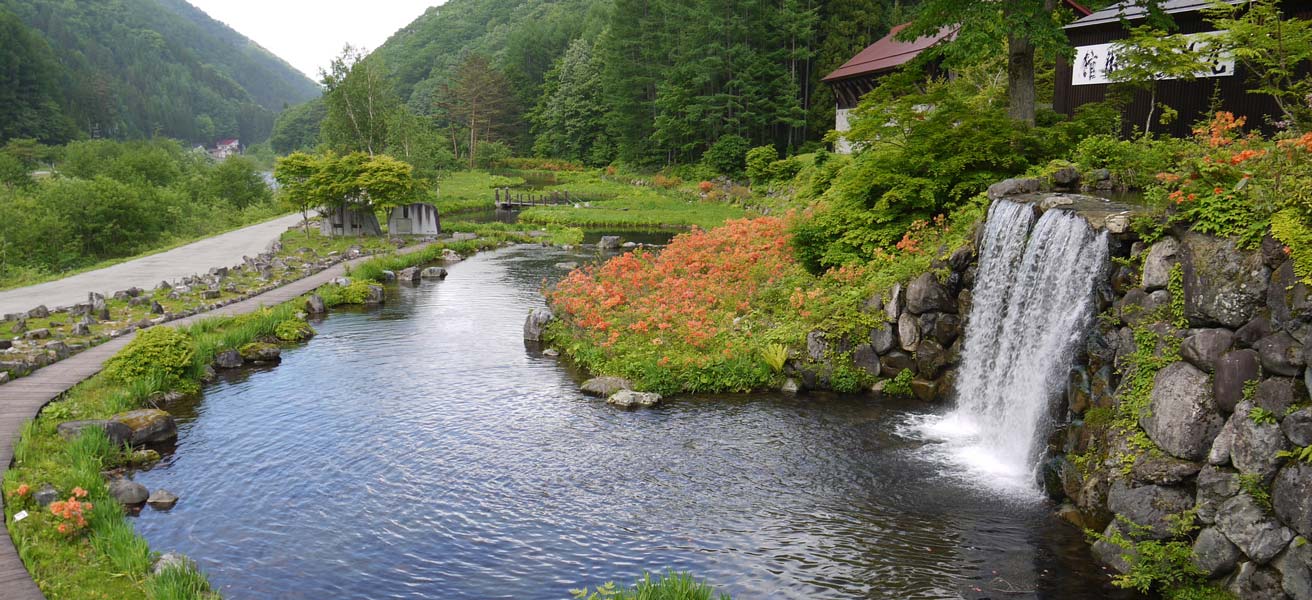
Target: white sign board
column 1095, row 63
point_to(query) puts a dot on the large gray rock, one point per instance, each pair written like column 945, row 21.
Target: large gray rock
column 375, row 295
column 1013, row 187
column 433, row 273
column 908, row 332
column 1222, row 284
column 148, row 425
column 1183, row 421
column 883, row 338
column 1297, row 427
column 1215, row 554
column 865, row 359
column 1163, row 470
column 816, row 346
column 314, row 305
column 1256, row 444
column 228, row 359
column 1247, row 524
column 609, row 242
column 1205, row 347
column 1291, row 496
column 162, row 499
column 1280, row 354
column 605, row 387
column 1116, row 556
column 1288, row 297
column 931, row 358
column 894, row 362
column 172, row 560
column 1157, row 264
column 926, row 294
column 1233, row 371
column 1149, row 506
column 1295, row 566
column 1224, row 443
column 128, row 492
column 1252, row 331
column 1278, row 394
column 1215, row 487
column 947, row 328
column 117, row 433
column 408, row 275
column 536, row 323
column 1254, row 582
column 893, row 308
column 632, row 399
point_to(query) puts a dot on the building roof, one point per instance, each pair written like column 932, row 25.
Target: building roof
column 1132, row 10
column 230, row 142
column 889, row 53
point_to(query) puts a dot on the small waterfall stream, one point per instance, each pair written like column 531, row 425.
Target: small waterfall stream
column 1033, row 301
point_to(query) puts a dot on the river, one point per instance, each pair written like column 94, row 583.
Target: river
column 420, row 450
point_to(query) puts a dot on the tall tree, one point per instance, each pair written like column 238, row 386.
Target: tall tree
column 481, row 101
column 359, row 100
column 570, row 117
column 1023, row 27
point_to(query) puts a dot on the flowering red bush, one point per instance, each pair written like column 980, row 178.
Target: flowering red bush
column 72, row 512
column 674, row 312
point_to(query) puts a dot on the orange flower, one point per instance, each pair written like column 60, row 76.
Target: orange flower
column 22, row 490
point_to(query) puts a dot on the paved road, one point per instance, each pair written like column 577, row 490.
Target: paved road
column 147, row 272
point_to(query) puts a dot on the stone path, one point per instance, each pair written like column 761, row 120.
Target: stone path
column 22, row 398
column 219, row 251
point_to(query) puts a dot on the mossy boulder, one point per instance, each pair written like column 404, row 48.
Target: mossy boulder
column 260, row 352
column 148, row 425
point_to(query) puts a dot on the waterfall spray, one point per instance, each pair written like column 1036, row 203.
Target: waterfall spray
column 1032, row 303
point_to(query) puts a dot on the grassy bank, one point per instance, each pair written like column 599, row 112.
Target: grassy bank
column 98, row 555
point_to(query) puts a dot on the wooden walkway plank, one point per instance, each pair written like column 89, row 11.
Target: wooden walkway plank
column 22, row 399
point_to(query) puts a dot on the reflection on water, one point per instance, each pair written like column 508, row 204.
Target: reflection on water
column 421, row 451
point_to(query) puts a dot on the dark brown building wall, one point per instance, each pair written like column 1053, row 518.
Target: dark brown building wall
column 1193, row 99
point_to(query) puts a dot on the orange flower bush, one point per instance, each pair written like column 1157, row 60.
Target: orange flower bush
column 72, row 512
column 668, row 319
column 701, row 315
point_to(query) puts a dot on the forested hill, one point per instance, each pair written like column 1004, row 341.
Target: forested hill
column 136, row 68
column 642, row 81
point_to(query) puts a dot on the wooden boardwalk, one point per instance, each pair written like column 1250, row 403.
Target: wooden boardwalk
column 507, row 199
column 23, row 398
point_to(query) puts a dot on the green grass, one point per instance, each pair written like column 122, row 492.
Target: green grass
column 670, row 586
column 470, row 191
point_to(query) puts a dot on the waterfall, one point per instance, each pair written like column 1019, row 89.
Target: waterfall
column 1032, row 303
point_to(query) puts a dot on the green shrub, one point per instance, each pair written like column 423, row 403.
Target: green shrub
column 759, row 160
column 355, row 293
column 158, row 350
column 728, row 155
column 293, row 330
column 775, row 355
column 901, row 384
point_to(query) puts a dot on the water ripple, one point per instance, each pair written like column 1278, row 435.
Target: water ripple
column 420, row 451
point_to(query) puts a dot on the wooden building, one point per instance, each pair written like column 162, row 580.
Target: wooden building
column 861, row 73
column 417, row 218
column 1085, row 78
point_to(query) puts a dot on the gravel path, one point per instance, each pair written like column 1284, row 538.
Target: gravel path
column 219, row 251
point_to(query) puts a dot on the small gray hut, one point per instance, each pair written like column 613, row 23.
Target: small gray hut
column 349, row 219
column 418, row 218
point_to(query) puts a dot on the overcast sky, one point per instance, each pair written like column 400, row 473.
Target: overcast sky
column 309, row 33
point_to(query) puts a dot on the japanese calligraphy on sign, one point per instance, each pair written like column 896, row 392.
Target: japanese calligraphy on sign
column 1095, row 63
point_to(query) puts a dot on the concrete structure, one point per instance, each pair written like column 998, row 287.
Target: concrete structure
column 419, row 218
column 349, row 220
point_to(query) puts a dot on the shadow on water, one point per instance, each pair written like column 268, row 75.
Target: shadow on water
column 418, row 450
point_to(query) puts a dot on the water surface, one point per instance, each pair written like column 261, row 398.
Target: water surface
column 421, row 450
